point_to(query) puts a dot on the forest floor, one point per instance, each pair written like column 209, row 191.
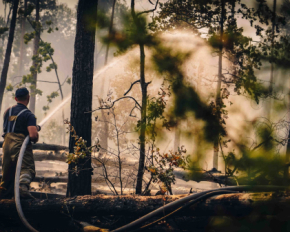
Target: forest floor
column 51, row 168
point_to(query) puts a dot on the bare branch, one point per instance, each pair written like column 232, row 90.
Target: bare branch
column 53, row 82
column 148, row 11
column 113, row 103
column 262, row 143
column 131, row 87
column 131, row 115
column 64, row 80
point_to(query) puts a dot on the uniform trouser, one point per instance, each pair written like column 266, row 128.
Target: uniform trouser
column 10, row 149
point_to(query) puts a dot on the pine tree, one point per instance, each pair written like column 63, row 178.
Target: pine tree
column 79, row 182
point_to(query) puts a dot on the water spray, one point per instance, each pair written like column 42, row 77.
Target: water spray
column 62, row 104
column 26, row 141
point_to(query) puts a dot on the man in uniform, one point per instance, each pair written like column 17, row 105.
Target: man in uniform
column 19, row 122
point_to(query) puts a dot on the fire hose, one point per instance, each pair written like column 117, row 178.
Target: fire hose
column 16, row 183
column 16, row 186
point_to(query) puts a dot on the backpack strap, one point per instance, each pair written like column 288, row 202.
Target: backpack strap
column 8, row 128
column 16, row 119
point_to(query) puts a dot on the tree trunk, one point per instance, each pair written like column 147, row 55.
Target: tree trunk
column 82, row 85
column 110, row 31
column 272, row 55
column 177, row 134
column 8, row 52
column 218, row 89
column 35, row 53
column 287, row 160
column 20, row 62
column 143, row 85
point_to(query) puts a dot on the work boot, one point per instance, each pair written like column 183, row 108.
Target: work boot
column 24, row 192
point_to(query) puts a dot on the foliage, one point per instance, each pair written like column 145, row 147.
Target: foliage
column 162, row 166
column 245, row 55
column 80, row 149
column 155, row 111
column 49, row 100
column 45, row 51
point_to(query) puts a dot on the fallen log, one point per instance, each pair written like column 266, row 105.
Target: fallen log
column 215, row 177
column 41, row 156
column 85, row 208
column 239, row 204
column 45, row 147
column 61, row 179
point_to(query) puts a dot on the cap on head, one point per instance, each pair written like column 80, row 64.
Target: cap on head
column 21, row 92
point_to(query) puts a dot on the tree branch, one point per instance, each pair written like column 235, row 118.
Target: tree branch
column 132, row 84
column 113, row 103
column 148, row 11
column 262, row 143
column 53, row 82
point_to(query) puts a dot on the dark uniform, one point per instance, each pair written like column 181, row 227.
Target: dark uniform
column 16, row 120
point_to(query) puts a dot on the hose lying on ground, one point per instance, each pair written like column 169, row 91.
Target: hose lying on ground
column 191, row 199
column 203, row 197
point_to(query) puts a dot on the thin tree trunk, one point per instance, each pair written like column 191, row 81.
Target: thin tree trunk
column 105, row 135
column 20, row 62
column 143, row 86
column 200, row 71
column 176, row 138
column 218, row 90
column 110, row 31
column 5, row 3
column 8, row 17
column 287, row 160
column 8, row 52
column 35, row 53
column 79, row 182
column 143, row 121
column 272, row 55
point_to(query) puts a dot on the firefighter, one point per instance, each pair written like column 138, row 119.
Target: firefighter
column 19, row 122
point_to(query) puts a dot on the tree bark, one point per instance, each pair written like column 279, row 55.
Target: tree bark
column 34, row 63
column 8, row 52
column 110, row 31
column 82, row 84
column 143, row 85
column 218, row 88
